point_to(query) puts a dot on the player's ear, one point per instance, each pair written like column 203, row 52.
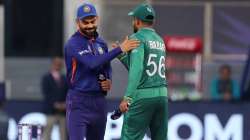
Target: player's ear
column 97, row 19
column 137, row 22
column 77, row 20
column 77, row 24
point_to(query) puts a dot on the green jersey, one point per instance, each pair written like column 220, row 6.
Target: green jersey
column 146, row 64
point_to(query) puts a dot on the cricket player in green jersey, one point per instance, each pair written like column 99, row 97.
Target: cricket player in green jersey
column 145, row 100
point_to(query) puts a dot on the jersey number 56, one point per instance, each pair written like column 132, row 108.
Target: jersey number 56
column 160, row 68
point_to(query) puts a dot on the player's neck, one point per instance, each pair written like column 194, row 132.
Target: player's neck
column 145, row 26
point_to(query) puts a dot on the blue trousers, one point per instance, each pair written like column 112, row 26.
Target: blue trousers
column 86, row 116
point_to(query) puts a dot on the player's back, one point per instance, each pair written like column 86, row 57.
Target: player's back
column 154, row 59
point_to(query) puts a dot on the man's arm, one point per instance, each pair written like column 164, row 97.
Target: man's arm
column 45, row 86
column 236, row 90
column 214, row 90
column 106, row 85
column 93, row 61
column 90, row 60
column 108, row 67
column 109, row 74
column 46, row 89
column 124, row 59
column 134, row 76
column 135, row 70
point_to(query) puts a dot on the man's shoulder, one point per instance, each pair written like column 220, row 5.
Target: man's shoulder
column 100, row 40
column 46, row 76
column 139, row 36
column 102, row 43
column 75, row 39
column 136, row 35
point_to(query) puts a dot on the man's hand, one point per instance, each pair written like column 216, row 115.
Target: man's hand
column 60, row 106
column 115, row 45
column 106, row 85
column 128, row 45
column 124, row 106
column 227, row 96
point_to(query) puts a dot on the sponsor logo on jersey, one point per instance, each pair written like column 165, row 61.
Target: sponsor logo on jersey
column 83, row 52
column 134, row 51
column 100, row 50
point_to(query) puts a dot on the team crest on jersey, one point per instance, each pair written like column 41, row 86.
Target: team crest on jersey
column 100, row 50
column 134, row 51
column 86, row 9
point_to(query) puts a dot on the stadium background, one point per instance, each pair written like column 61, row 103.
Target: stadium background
column 31, row 32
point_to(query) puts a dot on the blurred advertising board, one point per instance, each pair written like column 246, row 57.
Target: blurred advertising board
column 187, row 120
column 183, row 64
column 183, row 44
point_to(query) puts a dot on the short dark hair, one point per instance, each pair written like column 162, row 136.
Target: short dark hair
column 149, row 23
column 225, row 66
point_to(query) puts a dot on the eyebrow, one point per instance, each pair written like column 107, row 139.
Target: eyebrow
column 88, row 20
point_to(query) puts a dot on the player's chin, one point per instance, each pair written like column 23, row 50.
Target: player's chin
column 90, row 33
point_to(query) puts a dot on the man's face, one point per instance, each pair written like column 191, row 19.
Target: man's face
column 135, row 26
column 57, row 64
column 225, row 74
column 88, row 25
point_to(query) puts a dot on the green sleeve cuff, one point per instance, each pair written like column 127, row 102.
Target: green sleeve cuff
column 129, row 99
column 121, row 56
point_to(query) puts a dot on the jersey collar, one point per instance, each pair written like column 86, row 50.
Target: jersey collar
column 147, row 28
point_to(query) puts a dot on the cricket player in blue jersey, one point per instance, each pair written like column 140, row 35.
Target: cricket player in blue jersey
column 88, row 76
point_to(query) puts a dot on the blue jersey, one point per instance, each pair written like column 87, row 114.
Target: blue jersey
column 86, row 60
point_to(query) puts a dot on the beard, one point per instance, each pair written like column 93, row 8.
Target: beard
column 90, row 32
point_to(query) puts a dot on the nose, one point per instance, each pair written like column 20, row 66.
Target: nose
column 90, row 25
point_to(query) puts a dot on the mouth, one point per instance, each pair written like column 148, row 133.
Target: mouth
column 90, row 30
